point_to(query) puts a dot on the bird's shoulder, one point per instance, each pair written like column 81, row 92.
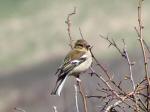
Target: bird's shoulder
column 75, row 54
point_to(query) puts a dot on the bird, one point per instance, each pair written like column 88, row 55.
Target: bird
column 77, row 61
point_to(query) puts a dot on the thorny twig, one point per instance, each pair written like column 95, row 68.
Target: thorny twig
column 131, row 74
column 113, row 43
column 68, row 22
column 125, row 55
column 139, row 31
column 130, row 64
column 117, row 96
column 106, row 72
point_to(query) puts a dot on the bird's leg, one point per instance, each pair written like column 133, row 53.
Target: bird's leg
column 78, row 78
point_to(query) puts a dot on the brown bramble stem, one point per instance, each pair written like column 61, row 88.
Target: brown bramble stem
column 68, row 22
column 120, row 99
column 139, row 31
column 141, row 40
column 83, row 95
column 131, row 74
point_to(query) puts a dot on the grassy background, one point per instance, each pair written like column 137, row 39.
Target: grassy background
column 32, row 30
column 33, row 40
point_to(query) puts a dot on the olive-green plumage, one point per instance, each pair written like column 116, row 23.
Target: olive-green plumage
column 77, row 60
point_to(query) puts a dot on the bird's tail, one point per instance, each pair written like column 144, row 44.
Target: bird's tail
column 59, row 85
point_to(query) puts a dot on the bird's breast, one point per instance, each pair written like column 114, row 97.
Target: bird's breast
column 84, row 66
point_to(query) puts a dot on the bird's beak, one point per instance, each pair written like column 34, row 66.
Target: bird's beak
column 88, row 46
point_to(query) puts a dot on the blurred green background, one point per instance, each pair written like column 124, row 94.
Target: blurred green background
column 34, row 40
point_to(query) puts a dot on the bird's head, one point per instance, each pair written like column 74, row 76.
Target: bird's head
column 82, row 44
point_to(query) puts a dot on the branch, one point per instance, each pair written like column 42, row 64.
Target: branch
column 130, row 64
column 106, row 73
column 107, row 84
column 100, row 65
column 83, row 95
column 125, row 55
column 68, row 22
column 76, row 97
column 139, row 31
column 113, row 43
column 131, row 74
column 113, row 105
column 118, row 96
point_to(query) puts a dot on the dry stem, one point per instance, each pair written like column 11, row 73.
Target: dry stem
column 76, row 97
column 83, row 95
column 68, row 22
column 117, row 96
column 131, row 74
column 139, row 31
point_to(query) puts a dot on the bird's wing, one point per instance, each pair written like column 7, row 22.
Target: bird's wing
column 73, row 59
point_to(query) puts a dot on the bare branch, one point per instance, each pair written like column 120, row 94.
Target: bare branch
column 110, row 88
column 129, row 64
column 68, row 22
column 113, row 43
column 76, row 97
column 141, row 40
column 139, row 32
column 100, row 65
column 105, row 71
column 131, row 74
column 83, row 95
column 113, row 105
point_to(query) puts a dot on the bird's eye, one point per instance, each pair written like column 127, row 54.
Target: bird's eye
column 80, row 45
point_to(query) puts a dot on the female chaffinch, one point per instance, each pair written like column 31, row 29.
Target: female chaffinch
column 78, row 60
